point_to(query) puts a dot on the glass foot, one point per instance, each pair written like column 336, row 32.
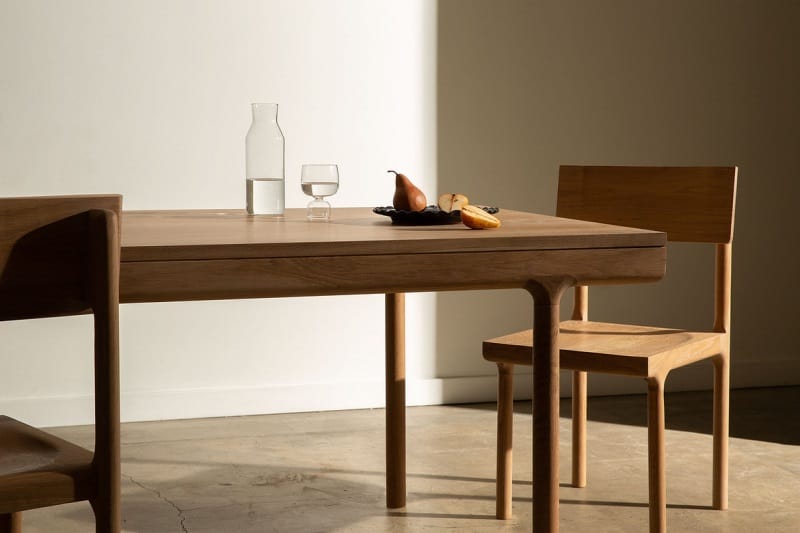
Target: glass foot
column 319, row 210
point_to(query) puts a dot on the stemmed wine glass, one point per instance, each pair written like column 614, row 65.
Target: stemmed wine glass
column 319, row 181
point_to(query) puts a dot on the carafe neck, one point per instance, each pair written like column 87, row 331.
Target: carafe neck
column 265, row 112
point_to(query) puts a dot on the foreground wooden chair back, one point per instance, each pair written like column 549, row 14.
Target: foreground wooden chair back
column 690, row 204
column 60, row 256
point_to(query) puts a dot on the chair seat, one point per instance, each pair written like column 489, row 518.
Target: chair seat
column 611, row 348
column 38, row 469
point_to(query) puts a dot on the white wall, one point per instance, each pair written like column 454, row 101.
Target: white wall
column 150, row 99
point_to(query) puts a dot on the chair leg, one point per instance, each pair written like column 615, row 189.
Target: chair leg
column 505, row 431
column 106, row 515
column 721, row 407
column 11, row 523
column 656, row 455
column 579, row 429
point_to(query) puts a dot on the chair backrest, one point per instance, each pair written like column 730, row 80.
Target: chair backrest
column 50, row 251
column 689, row 204
column 59, row 255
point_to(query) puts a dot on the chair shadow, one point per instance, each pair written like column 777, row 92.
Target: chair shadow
column 306, row 475
column 444, row 516
column 766, row 414
column 609, row 503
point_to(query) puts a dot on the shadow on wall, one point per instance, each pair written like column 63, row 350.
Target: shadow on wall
column 494, row 147
column 486, row 150
column 523, row 87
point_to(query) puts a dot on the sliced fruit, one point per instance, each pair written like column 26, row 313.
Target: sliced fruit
column 476, row 218
column 452, row 202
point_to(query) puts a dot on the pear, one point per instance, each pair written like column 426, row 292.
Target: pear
column 407, row 196
column 450, row 202
column 476, row 218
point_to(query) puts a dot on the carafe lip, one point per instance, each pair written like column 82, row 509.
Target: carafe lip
column 265, row 112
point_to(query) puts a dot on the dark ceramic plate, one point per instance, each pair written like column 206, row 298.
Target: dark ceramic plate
column 430, row 216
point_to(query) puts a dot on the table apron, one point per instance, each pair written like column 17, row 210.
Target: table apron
column 219, row 279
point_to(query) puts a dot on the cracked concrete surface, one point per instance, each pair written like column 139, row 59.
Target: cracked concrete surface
column 312, row 472
column 181, row 516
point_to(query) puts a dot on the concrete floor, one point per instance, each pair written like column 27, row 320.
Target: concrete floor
column 325, row 472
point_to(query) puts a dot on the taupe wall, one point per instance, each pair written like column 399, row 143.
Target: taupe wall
column 526, row 86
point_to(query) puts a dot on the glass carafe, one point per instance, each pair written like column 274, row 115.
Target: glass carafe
column 264, row 147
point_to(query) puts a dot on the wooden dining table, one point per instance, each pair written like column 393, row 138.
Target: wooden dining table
column 186, row 255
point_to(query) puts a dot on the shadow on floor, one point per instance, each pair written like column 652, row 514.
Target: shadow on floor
column 763, row 414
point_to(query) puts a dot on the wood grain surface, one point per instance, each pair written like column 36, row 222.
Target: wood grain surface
column 232, row 234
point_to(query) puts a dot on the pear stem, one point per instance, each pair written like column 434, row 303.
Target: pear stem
column 395, row 172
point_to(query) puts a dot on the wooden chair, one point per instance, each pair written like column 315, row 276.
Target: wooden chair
column 689, row 204
column 60, row 256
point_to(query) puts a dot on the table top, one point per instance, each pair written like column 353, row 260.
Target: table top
column 226, row 234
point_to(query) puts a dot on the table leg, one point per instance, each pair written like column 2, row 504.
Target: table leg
column 11, row 523
column 395, row 401
column 547, row 298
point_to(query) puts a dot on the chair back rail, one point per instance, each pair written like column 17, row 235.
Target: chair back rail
column 690, row 204
column 45, row 264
